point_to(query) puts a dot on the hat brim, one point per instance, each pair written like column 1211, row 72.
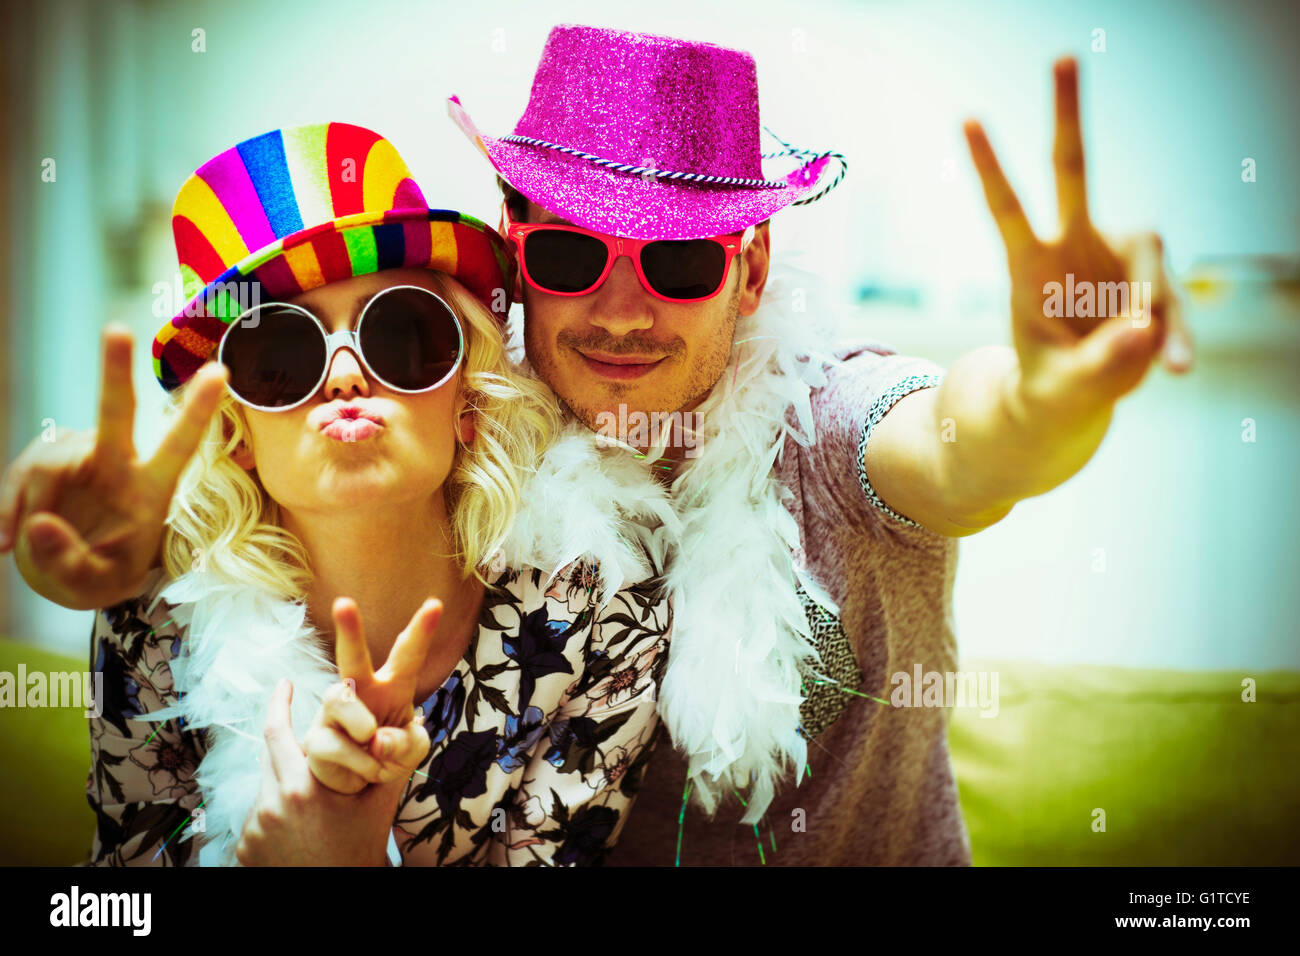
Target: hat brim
column 441, row 239
column 625, row 204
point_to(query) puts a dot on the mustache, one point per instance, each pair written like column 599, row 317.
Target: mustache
column 623, row 345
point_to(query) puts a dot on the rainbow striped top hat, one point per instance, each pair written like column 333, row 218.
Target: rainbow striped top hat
column 294, row 209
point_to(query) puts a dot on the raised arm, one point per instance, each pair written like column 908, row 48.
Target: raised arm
column 1088, row 317
column 83, row 515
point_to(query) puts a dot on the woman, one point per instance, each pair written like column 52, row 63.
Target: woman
column 364, row 461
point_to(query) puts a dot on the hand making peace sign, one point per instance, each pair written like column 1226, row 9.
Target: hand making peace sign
column 1075, row 365
column 83, row 514
column 355, row 740
column 332, row 800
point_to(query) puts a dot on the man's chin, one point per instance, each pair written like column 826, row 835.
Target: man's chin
column 594, row 417
column 592, row 400
column 591, row 397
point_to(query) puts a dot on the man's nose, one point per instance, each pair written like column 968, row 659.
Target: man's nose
column 622, row 304
column 345, row 376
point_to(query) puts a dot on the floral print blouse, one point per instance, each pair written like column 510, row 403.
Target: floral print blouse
column 538, row 739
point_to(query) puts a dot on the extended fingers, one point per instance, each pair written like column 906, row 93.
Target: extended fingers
column 351, row 655
column 412, row 646
column 1006, row 208
column 202, row 396
column 116, row 397
column 1067, row 151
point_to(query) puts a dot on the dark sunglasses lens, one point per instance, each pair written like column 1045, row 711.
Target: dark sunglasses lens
column 685, row 268
column 275, row 356
column 410, row 338
column 564, row 261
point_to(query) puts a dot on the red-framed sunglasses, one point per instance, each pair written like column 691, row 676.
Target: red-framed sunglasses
column 569, row 260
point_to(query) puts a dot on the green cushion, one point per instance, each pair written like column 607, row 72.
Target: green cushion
column 1186, row 772
column 44, row 763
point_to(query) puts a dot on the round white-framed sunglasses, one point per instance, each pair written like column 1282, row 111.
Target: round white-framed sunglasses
column 407, row 338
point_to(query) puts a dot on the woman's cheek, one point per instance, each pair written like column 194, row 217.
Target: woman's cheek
column 433, row 423
column 434, row 450
column 277, row 455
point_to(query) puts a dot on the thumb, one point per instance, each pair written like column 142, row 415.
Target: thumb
column 287, row 757
column 47, row 537
column 1113, row 358
column 50, row 550
column 401, row 750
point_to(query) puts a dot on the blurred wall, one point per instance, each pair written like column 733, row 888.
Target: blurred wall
column 1196, row 526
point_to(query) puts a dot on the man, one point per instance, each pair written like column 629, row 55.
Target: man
column 794, row 531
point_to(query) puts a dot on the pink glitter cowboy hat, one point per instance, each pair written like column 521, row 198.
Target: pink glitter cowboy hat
column 648, row 137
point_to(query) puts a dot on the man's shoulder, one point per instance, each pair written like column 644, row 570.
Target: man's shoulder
column 865, row 350
column 856, row 359
column 859, row 374
column 863, row 381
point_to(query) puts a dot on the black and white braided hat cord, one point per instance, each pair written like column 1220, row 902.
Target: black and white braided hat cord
column 806, row 155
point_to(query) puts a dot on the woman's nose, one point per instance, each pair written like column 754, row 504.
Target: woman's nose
column 345, row 376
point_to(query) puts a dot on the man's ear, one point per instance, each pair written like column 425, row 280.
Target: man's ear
column 518, row 295
column 756, row 259
column 517, row 285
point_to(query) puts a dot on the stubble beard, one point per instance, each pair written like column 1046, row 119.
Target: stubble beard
column 701, row 382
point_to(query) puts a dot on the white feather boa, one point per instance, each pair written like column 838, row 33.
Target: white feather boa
column 741, row 638
column 731, row 693
column 239, row 641
column 586, row 501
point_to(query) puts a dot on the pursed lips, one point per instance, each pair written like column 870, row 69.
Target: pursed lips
column 351, row 424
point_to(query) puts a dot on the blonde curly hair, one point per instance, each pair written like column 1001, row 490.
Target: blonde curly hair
column 222, row 519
